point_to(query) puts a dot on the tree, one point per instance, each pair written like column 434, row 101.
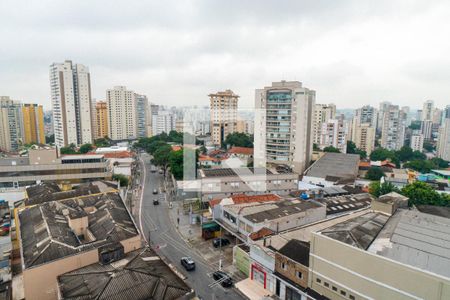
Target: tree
column 239, row 139
column 428, row 146
column 102, row 142
column 331, row 149
column 423, row 166
column 176, row 164
column 415, row 125
column 50, row 139
column 161, row 156
column 381, row 154
column 404, row 154
column 85, row 148
column 352, row 149
column 316, row 147
column 421, row 193
column 374, row 173
column 71, row 149
column 440, row 163
column 122, row 179
column 378, row 189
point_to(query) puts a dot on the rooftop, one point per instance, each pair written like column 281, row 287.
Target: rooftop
column 46, row 235
column 345, row 203
column 141, row 274
column 418, row 239
column 358, row 232
column 296, row 250
column 241, row 150
column 392, row 198
column 207, row 173
column 339, row 165
column 242, row 199
column 442, row 172
column 440, row 211
column 274, row 210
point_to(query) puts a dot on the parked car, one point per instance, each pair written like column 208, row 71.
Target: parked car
column 155, row 191
column 217, row 241
column 188, row 263
column 160, row 171
column 155, row 201
column 224, row 278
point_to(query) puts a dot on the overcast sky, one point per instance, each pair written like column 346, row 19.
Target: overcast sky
column 176, row 52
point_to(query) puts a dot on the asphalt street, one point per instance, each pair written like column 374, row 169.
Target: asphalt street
column 157, row 226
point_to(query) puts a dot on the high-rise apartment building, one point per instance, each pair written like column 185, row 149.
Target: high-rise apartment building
column 393, row 129
column 367, row 114
column 121, row 105
column 446, row 112
column 322, row 113
column 426, row 127
column 142, row 116
column 224, row 115
column 383, row 107
column 72, row 104
column 284, row 124
column 334, row 133
column 364, row 137
column 163, row 121
column 33, row 124
column 101, row 120
column 417, row 140
column 443, row 149
column 428, row 110
column 11, row 126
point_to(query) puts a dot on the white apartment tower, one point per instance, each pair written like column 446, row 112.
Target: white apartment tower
column 122, row 120
column 224, row 115
column 428, row 110
column 163, row 121
column 367, row 114
column 72, row 104
column 142, row 116
column 393, row 128
column 322, row 113
column 383, row 107
column 11, row 127
column 334, row 133
column 284, row 124
column 417, row 140
column 364, row 137
column 443, row 149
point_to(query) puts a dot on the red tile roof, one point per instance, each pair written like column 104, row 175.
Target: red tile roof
column 119, row 154
column 241, row 150
column 263, row 232
column 240, row 199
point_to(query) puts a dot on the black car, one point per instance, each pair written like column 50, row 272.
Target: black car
column 155, row 202
column 188, row 263
column 217, row 241
column 223, row 278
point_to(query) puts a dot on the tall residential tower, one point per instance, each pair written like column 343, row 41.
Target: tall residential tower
column 121, row 105
column 223, row 115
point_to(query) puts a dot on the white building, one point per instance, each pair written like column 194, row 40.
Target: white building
column 393, row 129
column 322, row 113
column 163, row 121
column 417, row 140
column 121, row 113
column 11, row 127
column 72, row 104
column 223, row 115
column 334, row 133
column 428, row 110
column 143, row 116
column 383, row 107
column 283, row 124
column 443, row 150
column 366, row 114
column 426, row 128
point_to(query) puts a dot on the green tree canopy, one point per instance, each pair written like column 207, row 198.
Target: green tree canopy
column 352, row 149
column 428, row 146
column 331, row 149
column 415, row 125
column 122, row 179
column 102, row 142
column 85, row 148
column 381, row 154
column 374, row 173
column 421, row 193
column 239, row 139
column 71, row 149
column 377, row 189
column 161, row 156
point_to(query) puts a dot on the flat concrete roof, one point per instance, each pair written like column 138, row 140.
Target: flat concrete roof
column 340, row 165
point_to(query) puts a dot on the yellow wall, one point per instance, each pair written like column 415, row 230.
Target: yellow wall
column 101, row 113
column 365, row 275
column 33, row 123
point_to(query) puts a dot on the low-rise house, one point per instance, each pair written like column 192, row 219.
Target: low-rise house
column 222, row 183
column 242, row 155
column 57, row 237
column 333, row 168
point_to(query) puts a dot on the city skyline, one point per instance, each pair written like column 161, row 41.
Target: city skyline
column 356, row 52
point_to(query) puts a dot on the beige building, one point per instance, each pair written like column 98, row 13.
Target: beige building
column 284, row 125
column 33, row 124
column 61, row 236
column 443, row 149
column 11, row 131
column 122, row 118
column 364, row 136
column 393, row 128
column 322, row 113
column 101, row 119
column 224, row 117
column 73, row 115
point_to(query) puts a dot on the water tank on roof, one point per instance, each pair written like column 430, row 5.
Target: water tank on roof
column 304, row 196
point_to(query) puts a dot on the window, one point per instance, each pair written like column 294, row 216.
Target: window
column 343, row 293
column 351, row 297
column 283, row 266
column 299, row 274
column 326, row 284
column 334, row 288
column 318, row 280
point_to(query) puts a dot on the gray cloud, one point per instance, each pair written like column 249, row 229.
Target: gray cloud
column 176, row 52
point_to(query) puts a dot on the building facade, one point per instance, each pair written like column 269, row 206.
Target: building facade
column 443, row 149
column 101, row 119
column 428, row 110
column 33, row 124
column 417, row 140
column 224, row 116
column 163, row 121
column 121, row 113
column 334, row 133
column 393, row 129
column 72, row 104
column 284, row 124
column 11, row 125
column 364, row 137
column 142, row 116
column 322, row 113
